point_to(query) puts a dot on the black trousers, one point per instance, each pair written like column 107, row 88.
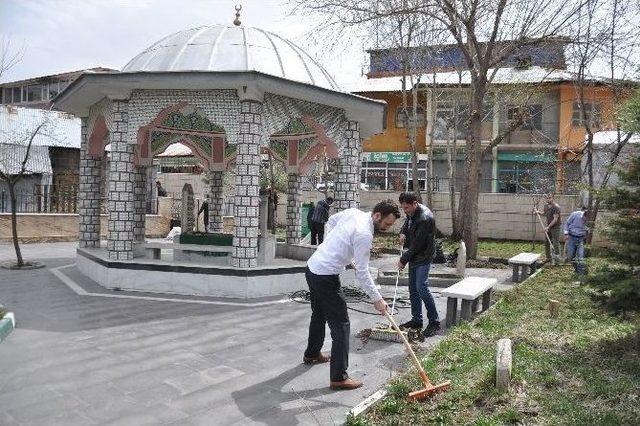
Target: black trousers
column 328, row 306
column 317, row 233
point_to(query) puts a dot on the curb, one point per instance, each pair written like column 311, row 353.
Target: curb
column 364, row 406
column 7, row 324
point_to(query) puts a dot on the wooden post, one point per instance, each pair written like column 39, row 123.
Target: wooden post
column 554, row 307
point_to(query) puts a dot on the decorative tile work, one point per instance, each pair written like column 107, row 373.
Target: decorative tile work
column 247, row 199
column 294, row 204
column 280, row 110
column 216, row 201
column 139, row 203
column 101, row 108
column 187, row 218
column 121, row 184
column 347, row 186
column 89, row 193
column 220, row 107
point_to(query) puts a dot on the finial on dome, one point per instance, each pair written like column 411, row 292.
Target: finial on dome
column 236, row 21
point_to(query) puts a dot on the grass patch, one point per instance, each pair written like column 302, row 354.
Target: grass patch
column 579, row 368
column 490, row 248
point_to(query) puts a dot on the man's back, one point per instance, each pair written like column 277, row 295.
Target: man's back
column 337, row 250
column 321, row 212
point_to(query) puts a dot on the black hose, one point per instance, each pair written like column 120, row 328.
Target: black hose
column 352, row 295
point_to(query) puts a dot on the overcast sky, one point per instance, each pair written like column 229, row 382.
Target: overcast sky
column 67, row 35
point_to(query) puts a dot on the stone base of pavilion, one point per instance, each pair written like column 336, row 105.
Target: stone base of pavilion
column 282, row 276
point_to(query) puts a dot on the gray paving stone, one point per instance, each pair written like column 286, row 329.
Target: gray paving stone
column 195, row 381
column 132, row 361
column 60, row 409
column 159, row 394
column 153, row 415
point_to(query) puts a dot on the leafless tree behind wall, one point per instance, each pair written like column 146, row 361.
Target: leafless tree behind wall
column 606, row 43
column 487, row 32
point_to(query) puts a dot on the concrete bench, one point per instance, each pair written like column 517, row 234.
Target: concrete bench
column 524, row 264
column 469, row 290
column 153, row 249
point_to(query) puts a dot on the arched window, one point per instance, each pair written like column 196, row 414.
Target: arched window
column 403, row 117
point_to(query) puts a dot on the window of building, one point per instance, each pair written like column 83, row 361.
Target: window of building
column 592, row 111
column 451, row 116
column 390, row 176
column 403, row 117
column 534, row 119
column 17, row 95
column 53, row 90
column 34, row 93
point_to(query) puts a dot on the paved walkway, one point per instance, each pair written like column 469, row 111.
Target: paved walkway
column 86, row 360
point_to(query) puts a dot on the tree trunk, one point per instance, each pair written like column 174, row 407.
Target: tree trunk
column 468, row 206
column 271, row 205
column 14, row 221
column 451, row 162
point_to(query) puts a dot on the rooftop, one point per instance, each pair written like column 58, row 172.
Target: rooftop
column 231, row 48
column 17, row 124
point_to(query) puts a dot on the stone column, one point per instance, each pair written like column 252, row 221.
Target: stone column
column 139, row 203
column 121, row 187
column 89, row 193
column 347, row 192
column 216, row 201
column 247, row 199
column 294, row 203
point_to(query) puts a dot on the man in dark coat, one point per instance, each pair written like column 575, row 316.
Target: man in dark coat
column 319, row 218
column 418, row 237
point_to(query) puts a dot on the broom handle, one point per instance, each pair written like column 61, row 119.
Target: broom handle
column 395, row 292
column 545, row 234
column 425, row 379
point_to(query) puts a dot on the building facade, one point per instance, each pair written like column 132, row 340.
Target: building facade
column 543, row 154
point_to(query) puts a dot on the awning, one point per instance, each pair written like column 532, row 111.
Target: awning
column 527, row 157
column 12, row 156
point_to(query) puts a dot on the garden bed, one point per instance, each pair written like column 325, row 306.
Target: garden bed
column 579, row 368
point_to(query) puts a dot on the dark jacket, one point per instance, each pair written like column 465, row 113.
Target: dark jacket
column 420, row 238
column 204, row 208
column 312, row 208
column 321, row 212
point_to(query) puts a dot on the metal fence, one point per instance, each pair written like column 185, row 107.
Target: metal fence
column 42, row 199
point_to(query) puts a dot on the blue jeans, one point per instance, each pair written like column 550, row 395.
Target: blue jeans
column 575, row 253
column 419, row 292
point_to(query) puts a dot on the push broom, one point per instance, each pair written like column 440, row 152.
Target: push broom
column 429, row 389
column 384, row 332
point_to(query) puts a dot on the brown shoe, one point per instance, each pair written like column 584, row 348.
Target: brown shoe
column 320, row 359
column 348, row 384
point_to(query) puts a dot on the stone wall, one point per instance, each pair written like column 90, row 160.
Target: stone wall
column 42, row 227
column 501, row 216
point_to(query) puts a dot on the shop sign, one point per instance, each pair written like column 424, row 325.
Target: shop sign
column 388, row 157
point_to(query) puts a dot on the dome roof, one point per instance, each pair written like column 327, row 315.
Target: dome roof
column 231, row 48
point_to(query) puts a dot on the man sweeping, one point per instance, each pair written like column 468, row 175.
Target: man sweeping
column 575, row 230
column 418, row 237
column 349, row 240
column 551, row 212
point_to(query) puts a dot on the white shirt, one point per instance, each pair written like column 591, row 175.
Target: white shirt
column 349, row 238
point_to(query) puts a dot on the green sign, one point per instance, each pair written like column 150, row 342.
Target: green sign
column 388, row 157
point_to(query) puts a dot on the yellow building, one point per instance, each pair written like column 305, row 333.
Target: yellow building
column 541, row 155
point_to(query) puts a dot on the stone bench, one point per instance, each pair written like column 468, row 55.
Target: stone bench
column 469, row 291
column 153, row 249
column 524, row 264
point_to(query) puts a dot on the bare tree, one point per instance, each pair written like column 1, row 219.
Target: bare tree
column 16, row 150
column 606, row 37
column 15, row 147
column 487, row 33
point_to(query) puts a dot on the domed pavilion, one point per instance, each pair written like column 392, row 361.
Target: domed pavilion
column 229, row 93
